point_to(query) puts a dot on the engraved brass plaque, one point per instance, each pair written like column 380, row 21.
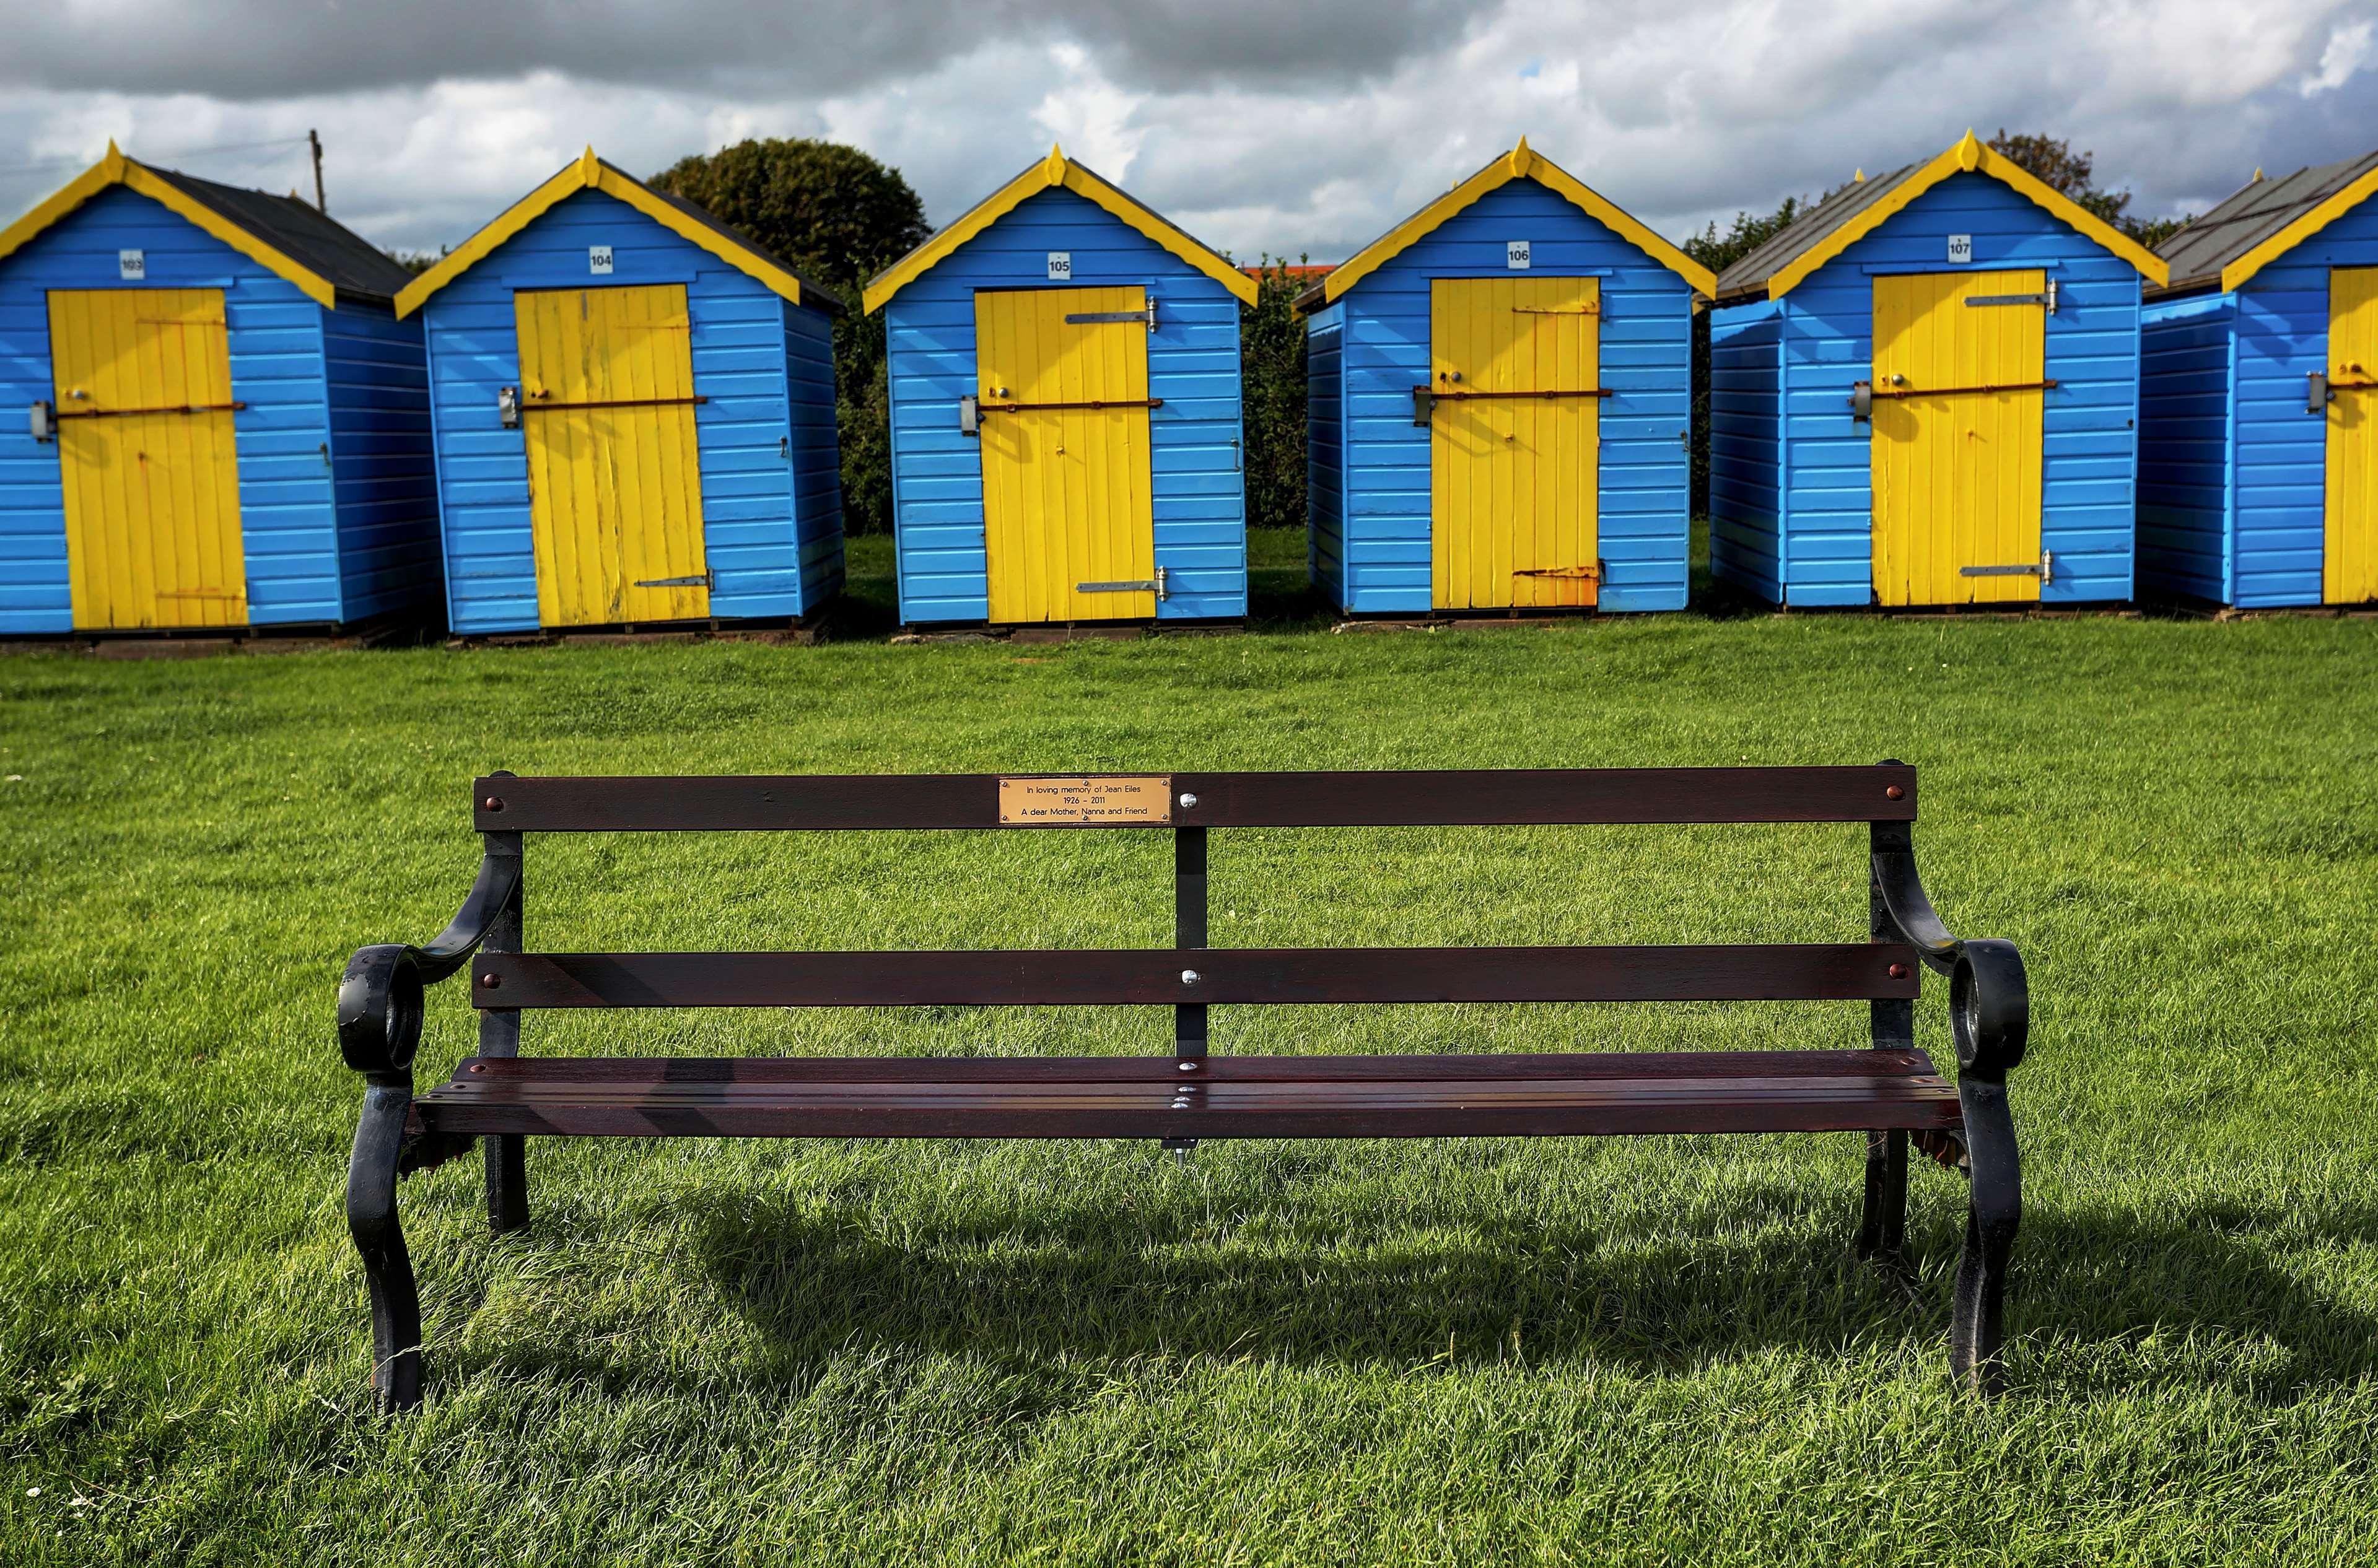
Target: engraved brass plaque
column 1088, row 800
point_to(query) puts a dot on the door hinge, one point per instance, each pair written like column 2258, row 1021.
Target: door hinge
column 1116, row 317
column 700, row 579
column 2045, row 296
column 1155, row 585
column 2045, row 570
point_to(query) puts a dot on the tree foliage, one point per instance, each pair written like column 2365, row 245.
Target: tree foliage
column 2072, row 174
column 839, row 216
column 1271, row 355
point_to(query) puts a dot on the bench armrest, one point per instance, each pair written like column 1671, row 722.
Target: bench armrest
column 1990, row 995
column 380, row 994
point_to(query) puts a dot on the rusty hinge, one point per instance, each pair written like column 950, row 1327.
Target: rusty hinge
column 1557, row 310
column 1104, row 317
column 700, row 580
column 535, row 407
column 1591, row 574
column 1426, row 399
column 128, row 412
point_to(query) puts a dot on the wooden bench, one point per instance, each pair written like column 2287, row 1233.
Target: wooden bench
column 1891, row 1093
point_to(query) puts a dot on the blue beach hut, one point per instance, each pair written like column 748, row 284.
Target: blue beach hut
column 2257, row 482
column 223, row 424
column 1926, row 391
column 634, row 413
column 1500, row 405
column 1065, row 412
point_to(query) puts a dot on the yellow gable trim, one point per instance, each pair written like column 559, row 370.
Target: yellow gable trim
column 1969, row 156
column 2302, row 228
column 1052, row 172
column 118, row 170
column 590, row 172
column 1521, row 163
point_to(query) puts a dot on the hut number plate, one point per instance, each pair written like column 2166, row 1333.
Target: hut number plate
column 132, row 266
column 1087, row 800
column 1060, row 266
column 1960, row 249
column 598, row 261
column 1516, row 254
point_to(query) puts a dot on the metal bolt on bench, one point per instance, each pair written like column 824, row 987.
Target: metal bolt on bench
column 1891, row 1093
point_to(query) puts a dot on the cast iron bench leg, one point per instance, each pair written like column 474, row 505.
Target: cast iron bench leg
column 388, row 1267
column 1882, row 1226
column 1994, row 1210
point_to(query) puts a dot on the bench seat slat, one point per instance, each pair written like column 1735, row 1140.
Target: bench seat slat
column 1796, row 972
column 1419, row 799
column 1234, row 1098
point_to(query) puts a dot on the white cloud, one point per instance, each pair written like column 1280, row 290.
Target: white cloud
column 1305, row 128
column 2349, row 49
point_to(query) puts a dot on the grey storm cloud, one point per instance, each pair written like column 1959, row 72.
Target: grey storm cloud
column 246, row 49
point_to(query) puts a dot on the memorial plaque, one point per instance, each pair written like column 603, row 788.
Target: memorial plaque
column 1088, row 800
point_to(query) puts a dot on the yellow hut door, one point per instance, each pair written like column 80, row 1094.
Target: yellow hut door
column 146, row 458
column 1960, row 363
column 2349, row 561
column 1068, row 501
column 614, row 469
column 1515, row 442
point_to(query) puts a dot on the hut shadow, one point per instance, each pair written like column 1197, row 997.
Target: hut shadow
column 1064, row 1281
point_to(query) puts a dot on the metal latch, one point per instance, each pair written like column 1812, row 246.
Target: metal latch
column 2045, row 570
column 1862, row 401
column 2317, row 396
column 1423, row 404
column 700, row 580
column 507, row 407
column 969, row 417
column 1104, row 317
column 44, row 420
column 1141, row 585
column 2045, row 297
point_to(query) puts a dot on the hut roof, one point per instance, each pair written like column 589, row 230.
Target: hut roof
column 319, row 255
column 2263, row 221
column 675, row 213
column 1852, row 213
column 1520, row 163
column 1052, row 172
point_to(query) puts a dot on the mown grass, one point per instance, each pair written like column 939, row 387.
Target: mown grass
column 1646, row 1351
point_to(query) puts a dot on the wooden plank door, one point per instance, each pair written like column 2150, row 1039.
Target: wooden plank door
column 1515, row 442
column 147, row 458
column 614, row 464
column 1067, row 491
column 2349, row 555
column 1957, row 441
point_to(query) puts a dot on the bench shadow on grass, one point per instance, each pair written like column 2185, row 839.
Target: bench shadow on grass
column 1074, row 1279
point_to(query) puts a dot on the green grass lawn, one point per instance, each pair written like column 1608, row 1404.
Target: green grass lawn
column 1457, row 1352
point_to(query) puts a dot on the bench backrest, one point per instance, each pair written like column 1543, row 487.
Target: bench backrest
column 1190, row 977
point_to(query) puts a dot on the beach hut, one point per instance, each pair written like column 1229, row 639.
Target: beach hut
column 2258, row 482
column 1926, row 392
column 1500, row 405
column 222, row 425
column 1066, row 431
column 634, row 414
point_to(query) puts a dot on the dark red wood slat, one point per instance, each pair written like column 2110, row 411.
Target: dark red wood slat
column 1575, row 1065
column 1809, row 971
column 1316, row 799
column 1244, row 1109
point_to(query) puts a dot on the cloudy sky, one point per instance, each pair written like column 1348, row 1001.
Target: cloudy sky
column 1294, row 126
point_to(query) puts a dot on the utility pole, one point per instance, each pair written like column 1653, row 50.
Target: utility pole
column 314, row 139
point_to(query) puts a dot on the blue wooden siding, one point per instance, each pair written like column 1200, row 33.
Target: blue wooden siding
column 746, row 432
column 1193, row 364
column 2282, row 456
column 1746, row 486
column 1325, row 451
column 2185, row 446
column 381, row 468
column 814, row 453
column 2089, row 465
column 2259, row 542
column 1645, row 473
column 288, row 504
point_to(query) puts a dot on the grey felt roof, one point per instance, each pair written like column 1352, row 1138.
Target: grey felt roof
column 1749, row 275
column 2198, row 253
column 350, row 263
